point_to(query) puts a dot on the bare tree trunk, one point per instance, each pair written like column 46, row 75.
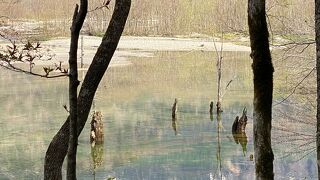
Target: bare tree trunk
column 263, row 88
column 58, row 147
column 77, row 22
column 317, row 31
column 219, row 98
column 219, row 64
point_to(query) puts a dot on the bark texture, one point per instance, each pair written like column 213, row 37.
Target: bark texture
column 58, row 147
column 96, row 134
column 77, row 22
column 174, row 108
column 263, row 89
column 317, row 32
column 239, row 125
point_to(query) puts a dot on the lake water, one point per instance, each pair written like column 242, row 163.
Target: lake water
column 141, row 141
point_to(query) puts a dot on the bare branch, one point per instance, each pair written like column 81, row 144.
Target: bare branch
column 105, row 4
column 11, row 67
column 295, row 88
column 294, row 43
column 27, row 54
column 77, row 23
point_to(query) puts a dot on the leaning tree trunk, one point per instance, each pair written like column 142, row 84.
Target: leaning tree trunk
column 77, row 22
column 317, row 29
column 263, row 88
column 58, row 147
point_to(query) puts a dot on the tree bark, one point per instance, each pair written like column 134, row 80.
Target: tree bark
column 219, row 98
column 59, row 145
column 77, row 22
column 263, row 88
column 317, row 32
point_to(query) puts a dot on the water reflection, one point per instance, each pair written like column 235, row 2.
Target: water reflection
column 174, row 125
column 211, row 116
column 97, row 156
column 242, row 139
column 138, row 133
column 219, row 159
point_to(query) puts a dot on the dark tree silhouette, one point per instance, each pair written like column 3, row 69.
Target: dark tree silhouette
column 77, row 22
column 263, row 88
column 317, row 31
column 58, row 147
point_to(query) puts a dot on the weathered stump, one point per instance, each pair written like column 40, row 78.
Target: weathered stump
column 211, row 107
column 96, row 133
column 219, row 107
column 239, row 125
column 239, row 130
column 174, row 108
column 211, row 110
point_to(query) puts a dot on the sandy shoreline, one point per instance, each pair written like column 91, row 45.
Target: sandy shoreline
column 130, row 46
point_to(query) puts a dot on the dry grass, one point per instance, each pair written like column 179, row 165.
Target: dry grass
column 166, row 18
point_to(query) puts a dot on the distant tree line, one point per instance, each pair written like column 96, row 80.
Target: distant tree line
column 167, row 18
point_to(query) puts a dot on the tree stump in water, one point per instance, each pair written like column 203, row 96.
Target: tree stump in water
column 211, row 110
column 239, row 130
column 96, row 133
column 174, row 108
column 239, row 125
column 219, row 107
column 211, row 107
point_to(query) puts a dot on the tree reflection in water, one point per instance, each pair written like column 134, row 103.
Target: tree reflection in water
column 218, row 172
column 219, row 126
column 294, row 131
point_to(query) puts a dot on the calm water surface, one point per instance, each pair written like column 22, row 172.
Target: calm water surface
column 141, row 141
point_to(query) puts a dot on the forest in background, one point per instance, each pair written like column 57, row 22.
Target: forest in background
column 162, row 18
column 286, row 18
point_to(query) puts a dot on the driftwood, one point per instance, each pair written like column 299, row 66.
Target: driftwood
column 96, row 133
column 174, row 108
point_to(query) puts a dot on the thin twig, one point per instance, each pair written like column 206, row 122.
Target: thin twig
column 295, row 88
column 295, row 133
column 105, row 4
column 294, row 43
column 11, row 67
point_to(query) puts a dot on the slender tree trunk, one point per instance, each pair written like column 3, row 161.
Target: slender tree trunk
column 263, row 88
column 317, row 29
column 77, row 22
column 58, row 147
column 219, row 98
